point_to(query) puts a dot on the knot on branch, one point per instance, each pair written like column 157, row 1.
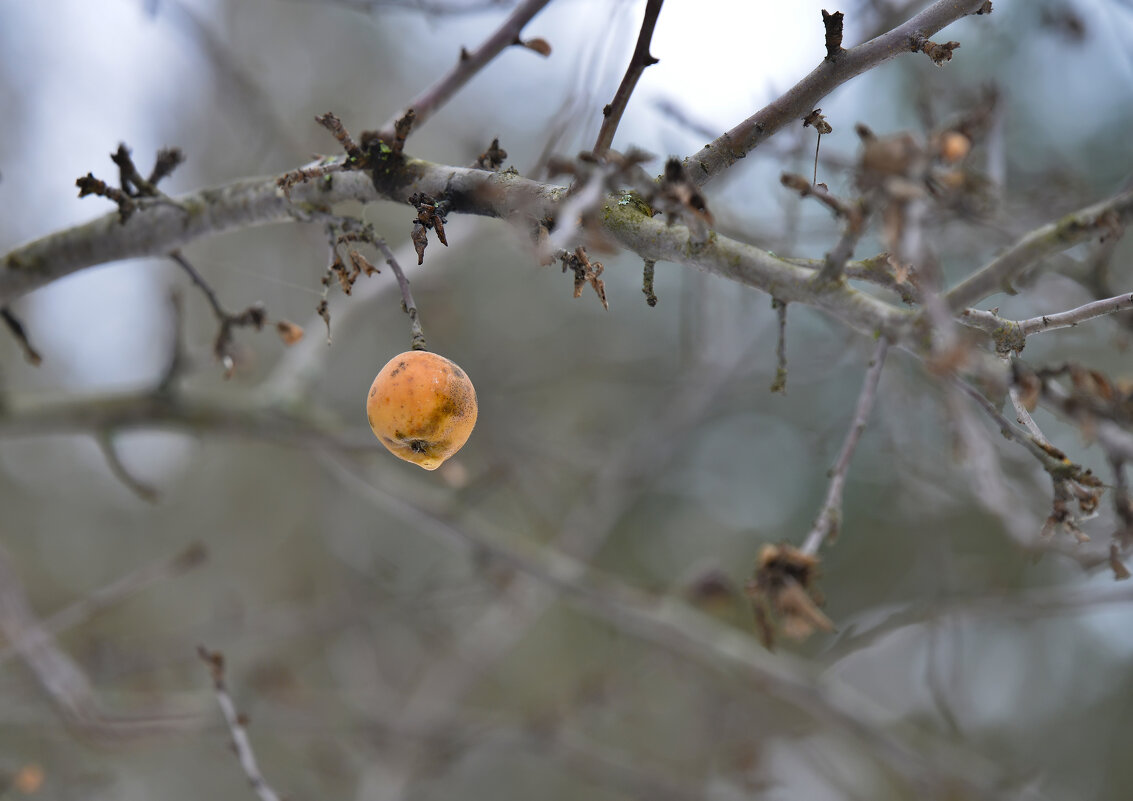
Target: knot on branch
column 939, row 53
column 1009, row 338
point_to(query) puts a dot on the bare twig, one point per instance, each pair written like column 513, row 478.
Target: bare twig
column 110, row 452
column 819, row 192
column 829, row 519
column 1052, row 238
column 1011, row 335
column 417, row 335
column 675, row 627
column 1024, row 416
column 647, row 282
column 201, row 284
column 236, row 725
column 251, row 417
column 798, row 101
column 425, row 104
column 779, row 384
column 12, row 322
column 129, row 585
column 1068, row 319
column 333, row 124
column 254, row 316
column 612, row 113
column 833, row 25
column 62, row 680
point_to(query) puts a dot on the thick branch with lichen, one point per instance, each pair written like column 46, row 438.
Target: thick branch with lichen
column 157, row 230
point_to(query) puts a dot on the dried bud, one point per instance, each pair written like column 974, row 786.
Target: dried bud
column 538, row 45
column 289, row 332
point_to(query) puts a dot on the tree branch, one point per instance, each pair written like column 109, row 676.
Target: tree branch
column 804, row 96
column 675, row 627
column 250, row 418
column 236, row 722
column 118, row 590
column 612, row 114
column 1055, row 237
column 426, row 104
column 829, row 518
column 1068, row 319
column 157, row 230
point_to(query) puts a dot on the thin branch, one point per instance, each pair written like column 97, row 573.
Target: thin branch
column 855, row 216
column 1024, row 416
column 779, row 384
column 1068, row 319
column 673, row 626
column 829, row 518
column 61, row 678
column 804, row 96
column 612, row 114
column 417, row 335
column 835, row 263
column 109, row 450
column 647, row 282
column 201, row 284
column 1079, row 226
column 247, row 417
column 833, row 24
column 1045, row 458
column 820, row 193
column 236, row 725
column 127, row 586
column 21, row 335
column 426, row 104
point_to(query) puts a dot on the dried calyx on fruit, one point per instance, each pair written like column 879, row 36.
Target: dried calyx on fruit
column 422, row 407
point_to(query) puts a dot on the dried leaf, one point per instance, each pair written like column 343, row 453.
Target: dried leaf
column 420, row 241
column 289, row 332
column 362, row 264
column 939, row 53
column 818, row 121
column 538, row 45
column 782, row 589
column 323, row 310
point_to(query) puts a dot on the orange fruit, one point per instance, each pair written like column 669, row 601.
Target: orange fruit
column 422, row 407
column 954, row 146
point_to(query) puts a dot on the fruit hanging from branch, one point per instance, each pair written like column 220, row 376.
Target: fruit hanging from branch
column 422, row 407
